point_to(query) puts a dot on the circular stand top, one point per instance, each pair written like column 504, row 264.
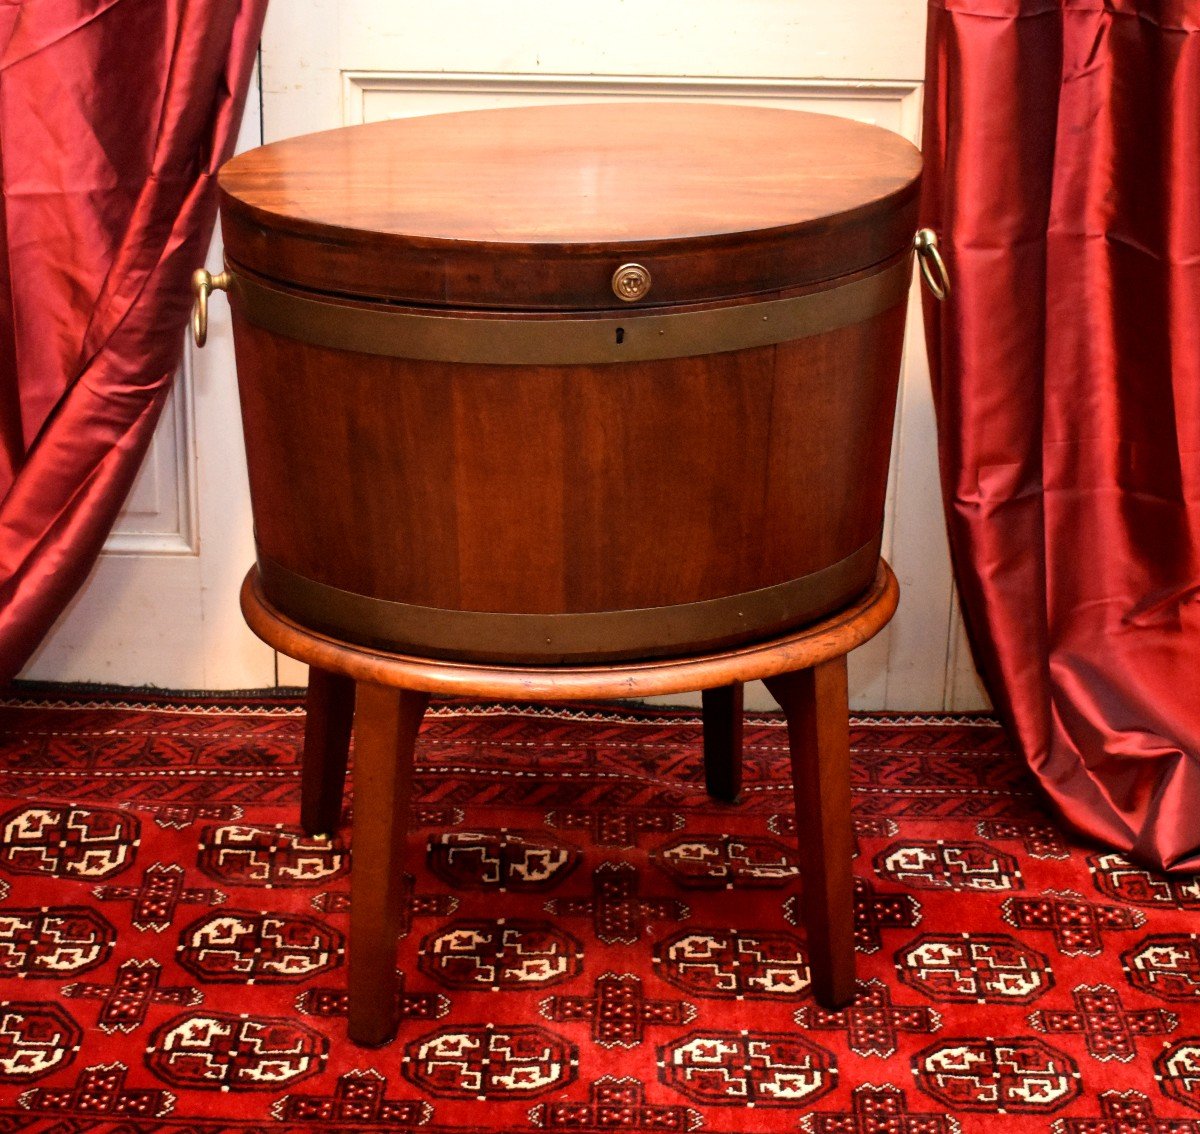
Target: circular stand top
column 800, row 649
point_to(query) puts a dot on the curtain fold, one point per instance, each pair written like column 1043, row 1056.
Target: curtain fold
column 114, row 117
column 1062, row 144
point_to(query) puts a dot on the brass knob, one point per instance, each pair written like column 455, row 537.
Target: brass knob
column 631, row 282
column 204, row 283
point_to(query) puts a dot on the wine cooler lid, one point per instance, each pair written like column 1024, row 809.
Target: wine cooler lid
column 573, row 206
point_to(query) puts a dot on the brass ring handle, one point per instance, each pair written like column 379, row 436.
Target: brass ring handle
column 204, row 283
column 926, row 245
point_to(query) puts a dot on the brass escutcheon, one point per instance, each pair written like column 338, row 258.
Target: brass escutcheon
column 631, row 282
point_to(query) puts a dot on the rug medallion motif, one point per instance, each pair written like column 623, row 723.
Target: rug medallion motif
column 588, row 942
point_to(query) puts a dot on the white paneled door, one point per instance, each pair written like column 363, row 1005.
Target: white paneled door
column 327, row 63
column 161, row 606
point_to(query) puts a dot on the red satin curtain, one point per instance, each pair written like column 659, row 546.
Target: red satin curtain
column 114, row 117
column 1062, row 140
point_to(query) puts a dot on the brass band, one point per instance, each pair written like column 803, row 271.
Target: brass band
column 633, row 336
column 549, row 639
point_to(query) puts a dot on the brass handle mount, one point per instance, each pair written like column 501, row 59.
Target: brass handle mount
column 926, row 245
column 204, row 283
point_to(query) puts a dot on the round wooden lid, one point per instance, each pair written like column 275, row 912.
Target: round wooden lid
column 536, row 207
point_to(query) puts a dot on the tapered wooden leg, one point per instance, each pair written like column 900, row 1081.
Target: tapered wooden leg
column 386, row 722
column 329, row 708
column 722, row 711
column 815, row 704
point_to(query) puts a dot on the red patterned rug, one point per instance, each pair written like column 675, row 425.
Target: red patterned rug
column 590, row 944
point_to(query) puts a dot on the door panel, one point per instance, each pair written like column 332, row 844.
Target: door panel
column 160, row 607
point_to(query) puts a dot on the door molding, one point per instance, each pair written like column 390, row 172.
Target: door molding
column 370, row 96
column 159, row 516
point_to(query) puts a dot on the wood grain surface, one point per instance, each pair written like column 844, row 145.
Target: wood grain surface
column 838, row 634
column 814, row 702
column 630, row 508
column 536, row 206
column 572, row 489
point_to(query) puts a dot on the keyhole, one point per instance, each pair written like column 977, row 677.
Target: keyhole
column 620, row 335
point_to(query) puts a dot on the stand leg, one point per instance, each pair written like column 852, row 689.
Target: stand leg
column 329, row 708
column 722, row 714
column 386, row 725
column 815, row 704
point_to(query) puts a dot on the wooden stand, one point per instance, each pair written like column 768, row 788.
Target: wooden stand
column 385, row 695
